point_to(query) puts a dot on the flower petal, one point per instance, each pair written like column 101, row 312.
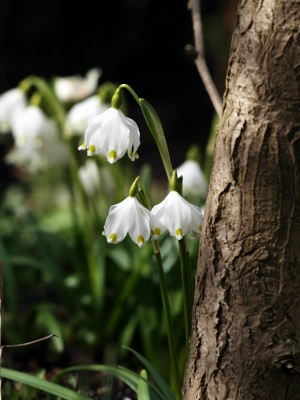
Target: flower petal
column 131, row 217
column 140, row 224
column 177, row 215
column 196, row 221
column 118, row 221
column 156, row 225
column 108, row 133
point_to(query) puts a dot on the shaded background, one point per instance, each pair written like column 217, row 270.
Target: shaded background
column 138, row 42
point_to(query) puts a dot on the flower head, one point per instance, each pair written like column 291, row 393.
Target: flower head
column 131, row 217
column 178, row 216
column 112, row 134
column 194, row 181
column 80, row 113
column 76, row 88
column 12, row 103
column 37, row 141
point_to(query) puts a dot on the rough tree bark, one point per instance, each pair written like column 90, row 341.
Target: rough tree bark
column 245, row 341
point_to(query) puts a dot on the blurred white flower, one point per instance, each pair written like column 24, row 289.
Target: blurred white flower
column 80, row 113
column 90, row 177
column 37, row 141
column 112, row 134
column 178, row 216
column 131, row 217
column 194, row 181
column 76, row 88
column 12, row 103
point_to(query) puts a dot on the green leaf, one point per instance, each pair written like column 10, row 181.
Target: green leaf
column 143, row 388
column 157, row 131
column 121, row 258
column 159, row 379
column 41, row 384
column 129, row 377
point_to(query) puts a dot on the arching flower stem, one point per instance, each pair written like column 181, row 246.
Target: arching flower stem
column 155, row 126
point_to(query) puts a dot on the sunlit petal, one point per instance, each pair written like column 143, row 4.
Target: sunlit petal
column 131, row 217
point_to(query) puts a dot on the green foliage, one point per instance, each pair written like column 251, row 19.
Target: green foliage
column 62, row 277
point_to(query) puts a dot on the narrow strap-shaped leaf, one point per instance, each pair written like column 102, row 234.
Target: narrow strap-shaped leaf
column 131, row 378
column 159, row 379
column 49, row 387
column 157, row 131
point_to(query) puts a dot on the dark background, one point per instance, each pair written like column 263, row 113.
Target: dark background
column 138, row 42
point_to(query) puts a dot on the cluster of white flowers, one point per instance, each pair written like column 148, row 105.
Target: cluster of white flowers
column 37, row 141
column 174, row 214
column 112, row 135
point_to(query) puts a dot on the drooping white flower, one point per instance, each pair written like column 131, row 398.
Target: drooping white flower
column 194, row 181
column 12, row 103
column 130, row 217
column 178, row 216
column 32, row 125
column 90, row 177
column 78, row 116
column 76, row 88
column 37, row 141
column 112, row 134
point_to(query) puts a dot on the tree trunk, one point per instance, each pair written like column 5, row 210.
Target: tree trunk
column 245, row 341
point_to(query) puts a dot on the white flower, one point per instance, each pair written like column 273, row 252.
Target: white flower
column 178, row 216
column 90, row 177
column 79, row 114
column 11, row 103
column 75, row 88
column 32, row 125
column 112, row 134
column 194, row 181
column 131, row 217
column 37, row 141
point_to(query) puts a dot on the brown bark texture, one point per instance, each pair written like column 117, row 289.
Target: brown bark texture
column 245, row 341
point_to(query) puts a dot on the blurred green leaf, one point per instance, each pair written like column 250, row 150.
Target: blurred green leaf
column 41, row 384
column 129, row 377
column 121, row 258
column 46, row 318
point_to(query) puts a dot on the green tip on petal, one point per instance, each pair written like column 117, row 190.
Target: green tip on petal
column 112, row 238
column 112, row 154
column 156, row 232
column 140, row 240
column 134, row 188
column 200, row 228
column 178, row 233
column 92, row 148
